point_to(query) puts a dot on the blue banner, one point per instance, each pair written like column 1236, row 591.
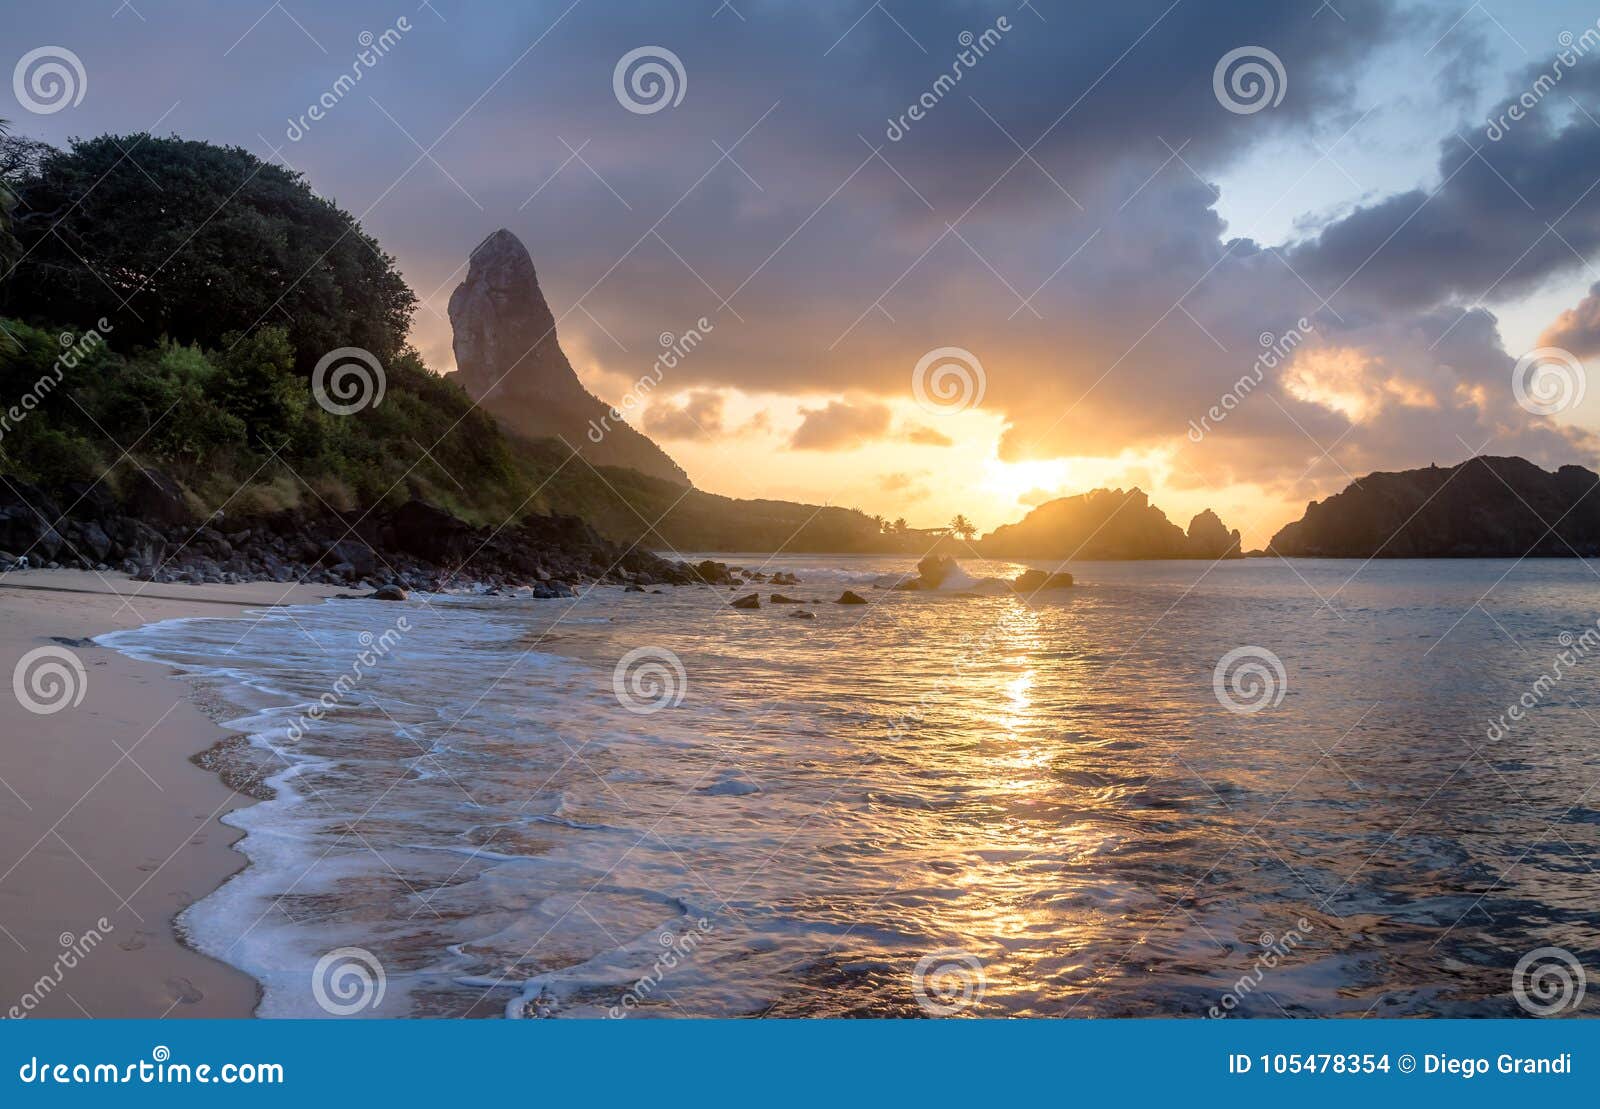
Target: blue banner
column 801, row 1062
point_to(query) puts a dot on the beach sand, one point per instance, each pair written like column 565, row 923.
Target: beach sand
column 107, row 829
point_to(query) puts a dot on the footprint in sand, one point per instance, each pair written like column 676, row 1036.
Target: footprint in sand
column 183, row 991
column 134, row 942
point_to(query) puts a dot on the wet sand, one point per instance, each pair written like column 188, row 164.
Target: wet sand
column 107, row 828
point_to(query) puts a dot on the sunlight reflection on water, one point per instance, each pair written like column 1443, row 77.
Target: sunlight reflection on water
column 1048, row 785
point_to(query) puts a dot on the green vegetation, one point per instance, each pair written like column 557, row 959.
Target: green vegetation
column 238, row 426
column 192, row 241
column 10, row 249
column 163, row 305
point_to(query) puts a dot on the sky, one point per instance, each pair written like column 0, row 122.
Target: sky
column 1053, row 275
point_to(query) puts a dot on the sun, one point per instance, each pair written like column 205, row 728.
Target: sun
column 1009, row 481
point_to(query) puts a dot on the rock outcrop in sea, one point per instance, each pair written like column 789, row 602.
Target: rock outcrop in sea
column 1109, row 524
column 509, row 361
column 1486, row 507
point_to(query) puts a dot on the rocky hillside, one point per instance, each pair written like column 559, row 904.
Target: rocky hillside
column 1486, row 507
column 152, row 532
column 509, row 360
column 1109, row 524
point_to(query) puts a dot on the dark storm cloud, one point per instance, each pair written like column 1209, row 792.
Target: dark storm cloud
column 1092, row 275
column 1505, row 214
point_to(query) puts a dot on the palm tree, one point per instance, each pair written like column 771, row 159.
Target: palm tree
column 880, row 521
column 899, row 525
column 963, row 527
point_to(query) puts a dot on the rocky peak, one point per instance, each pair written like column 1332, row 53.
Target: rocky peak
column 1209, row 537
column 510, row 361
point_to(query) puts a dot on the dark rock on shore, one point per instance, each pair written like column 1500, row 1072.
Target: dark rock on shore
column 1486, row 507
column 430, row 533
column 713, row 573
column 152, row 534
column 27, row 517
column 155, row 498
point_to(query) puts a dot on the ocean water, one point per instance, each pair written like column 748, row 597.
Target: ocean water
column 653, row 805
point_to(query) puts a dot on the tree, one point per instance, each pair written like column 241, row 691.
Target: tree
column 899, row 525
column 961, row 526
column 10, row 248
column 190, row 241
column 20, row 156
column 880, row 522
column 256, row 383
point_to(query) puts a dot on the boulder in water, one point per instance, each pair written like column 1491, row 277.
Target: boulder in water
column 933, row 570
column 943, row 572
column 712, row 573
column 1031, row 581
column 780, row 599
column 849, row 598
column 802, row 614
column 748, row 601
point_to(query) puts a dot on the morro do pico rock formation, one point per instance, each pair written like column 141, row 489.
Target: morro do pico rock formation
column 509, row 361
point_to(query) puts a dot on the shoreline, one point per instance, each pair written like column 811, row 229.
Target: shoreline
column 110, row 820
